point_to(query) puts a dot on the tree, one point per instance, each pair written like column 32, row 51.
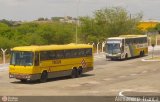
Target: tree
column 157, row 28
column 6, row 43
column 33, row 39
column 41, row 19
column 3, row 28
column 56, row 18
column 116, row 21
column 109, row 22
column 7, row 22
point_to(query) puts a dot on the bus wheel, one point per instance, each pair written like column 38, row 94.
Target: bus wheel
column 44, row 77
column 74, row 73
column 141, row 53
column 80, row 71
column 111, row 59
column 23, row 80
column 126, row 56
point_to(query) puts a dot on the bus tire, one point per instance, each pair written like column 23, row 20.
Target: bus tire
column 74, row 73
column 141, row 53
column 107, row 57
column 80, row 70
column 23, row 80
column 126, row 56
column 44, row 77
column 111, row 59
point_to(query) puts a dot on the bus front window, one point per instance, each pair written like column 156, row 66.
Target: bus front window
column 113, row 48
column 22, row 58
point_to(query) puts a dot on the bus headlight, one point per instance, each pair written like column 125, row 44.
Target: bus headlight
column 11, row 76
column 28, row 76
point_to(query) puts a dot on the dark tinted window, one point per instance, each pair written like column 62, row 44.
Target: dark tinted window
column 47, row 55
column 136, row 40
column 67, row 53
column 44, row 55
column 81, row 53
column 71, row 53
column 51, row 55
column 59, row 54
column 88, row 52
column 74, row 53
column 36, row 62
column 22, row 58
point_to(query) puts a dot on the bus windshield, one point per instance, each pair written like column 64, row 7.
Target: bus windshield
column 22, row 58
column 113, row 48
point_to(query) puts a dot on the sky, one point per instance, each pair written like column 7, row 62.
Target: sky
column 28, row 10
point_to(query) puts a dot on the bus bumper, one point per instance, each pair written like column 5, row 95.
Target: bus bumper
column 25, row 76
column 117, row 56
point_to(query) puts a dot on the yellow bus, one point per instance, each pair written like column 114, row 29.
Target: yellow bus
column 126, row 46
column 50, row 61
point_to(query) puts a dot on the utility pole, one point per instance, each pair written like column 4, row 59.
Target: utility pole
column 97, row 47
column 77, row 21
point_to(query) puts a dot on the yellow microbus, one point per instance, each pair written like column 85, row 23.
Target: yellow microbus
column 50, row 61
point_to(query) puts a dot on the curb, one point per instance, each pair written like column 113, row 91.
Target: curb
column 145, row 60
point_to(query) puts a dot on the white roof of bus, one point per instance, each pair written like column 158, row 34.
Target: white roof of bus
column 127, row 36
column 115, row 38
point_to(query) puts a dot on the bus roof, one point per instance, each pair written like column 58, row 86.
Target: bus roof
column 132, row 36
column 128, row 36
column 51, row 47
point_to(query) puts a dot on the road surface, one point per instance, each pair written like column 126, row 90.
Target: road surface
column 107, row 79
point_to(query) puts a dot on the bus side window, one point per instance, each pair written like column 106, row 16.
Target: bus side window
column 67, row 53
column 36, row 62
column 74, row 53
column 81, row 53
column 60, row 54
column 88, row 52
column 51, row 55
column 43, row 55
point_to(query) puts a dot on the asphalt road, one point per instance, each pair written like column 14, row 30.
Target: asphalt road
column 108, row 78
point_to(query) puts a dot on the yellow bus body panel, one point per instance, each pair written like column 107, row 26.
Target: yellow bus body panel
column 57, row 65
column 21, row 69
column 66, row 64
